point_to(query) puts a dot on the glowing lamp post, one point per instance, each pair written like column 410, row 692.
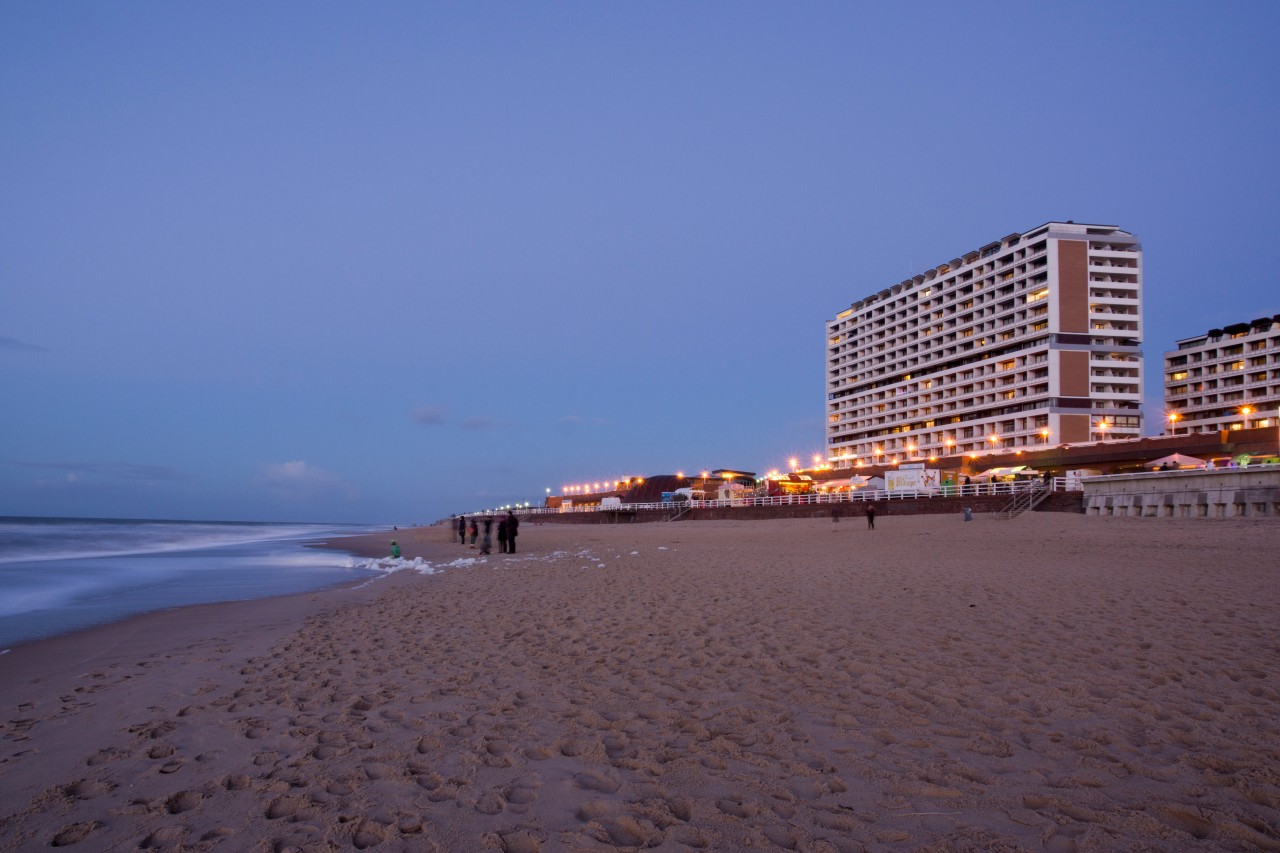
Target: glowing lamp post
column 1174, row 417
column 1245, row 411
column 1044, row 436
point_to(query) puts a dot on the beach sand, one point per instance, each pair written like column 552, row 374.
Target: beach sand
column 1052, row 683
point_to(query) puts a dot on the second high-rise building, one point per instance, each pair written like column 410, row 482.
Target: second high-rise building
column 1031, row 340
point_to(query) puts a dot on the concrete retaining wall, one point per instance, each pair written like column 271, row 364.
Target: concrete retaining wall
column 1056, row 502
column 1220, row 493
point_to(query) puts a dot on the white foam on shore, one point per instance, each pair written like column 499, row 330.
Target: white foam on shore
column 386, row 566
column 390, row 565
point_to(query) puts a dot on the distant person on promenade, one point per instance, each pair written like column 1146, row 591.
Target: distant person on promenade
column 513, row 524
column 502, row 535
column 871, row 517
column 462, row 529
column 475, row 531
column 486, row 543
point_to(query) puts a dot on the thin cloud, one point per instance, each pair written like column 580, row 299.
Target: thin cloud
column 430, row 415
column 301, row 479
column 480, row 423
column 15, row 345
column 109, row 472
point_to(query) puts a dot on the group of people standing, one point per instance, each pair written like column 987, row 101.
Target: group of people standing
column 508, row 527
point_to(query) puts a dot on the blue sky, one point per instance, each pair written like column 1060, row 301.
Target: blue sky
column 384, row 262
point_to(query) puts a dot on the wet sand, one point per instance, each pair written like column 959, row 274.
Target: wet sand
column 1050, row 683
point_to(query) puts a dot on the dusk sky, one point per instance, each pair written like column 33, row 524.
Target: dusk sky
column 383, row 262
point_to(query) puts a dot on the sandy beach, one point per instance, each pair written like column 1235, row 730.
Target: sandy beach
column 1053, row 683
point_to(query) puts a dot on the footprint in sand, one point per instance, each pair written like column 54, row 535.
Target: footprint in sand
column 627, row 831
column 490, row 803
column 160, row 750
column 284, row 807
column 737, row 807
column 87, row 789
column 183, row 801
column 519, row 842
column 593, row 781
column 237, row 783
column 102, row 756
column 368, row 834
column 74, row 834
column 165, row 838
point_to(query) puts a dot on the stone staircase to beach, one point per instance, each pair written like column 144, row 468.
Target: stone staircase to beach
column 1023, row 501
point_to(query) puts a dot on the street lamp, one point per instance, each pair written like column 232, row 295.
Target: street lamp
column 1245, row 411
column 1044, row 436
column 1174, row 417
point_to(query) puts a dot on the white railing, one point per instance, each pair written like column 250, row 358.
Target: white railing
column 1059, row 484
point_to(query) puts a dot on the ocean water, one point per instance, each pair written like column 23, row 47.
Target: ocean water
column 58, row 575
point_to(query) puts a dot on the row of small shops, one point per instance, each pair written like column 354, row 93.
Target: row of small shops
column 1226, row 449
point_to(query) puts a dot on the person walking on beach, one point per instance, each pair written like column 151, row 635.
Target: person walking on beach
column 502, row 535
column 513, row 524
column 486, row 544
column 871, row 517
column 475, row 531
column 462, row 529
column 395, row 549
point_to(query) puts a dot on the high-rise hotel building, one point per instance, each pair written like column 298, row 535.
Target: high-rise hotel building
column 1028, row 341
column 1227, row 378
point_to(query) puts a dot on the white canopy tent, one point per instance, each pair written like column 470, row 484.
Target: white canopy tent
column 1012, row 470
column 1177, row 460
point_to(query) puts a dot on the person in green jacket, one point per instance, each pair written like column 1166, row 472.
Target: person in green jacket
column 395, row 549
